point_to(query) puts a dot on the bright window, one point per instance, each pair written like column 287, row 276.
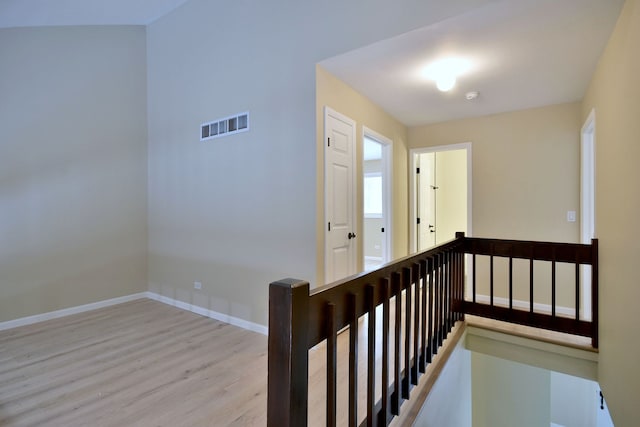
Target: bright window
column 373, row 195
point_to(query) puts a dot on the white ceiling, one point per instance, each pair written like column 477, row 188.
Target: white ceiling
column 525, row 54
column 34, row 13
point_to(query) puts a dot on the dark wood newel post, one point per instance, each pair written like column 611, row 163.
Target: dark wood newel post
column 594, row 293
column 288, row 366
column 460, row 280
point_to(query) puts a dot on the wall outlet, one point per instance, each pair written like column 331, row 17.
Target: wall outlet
column 197, row 285
column 571, row 216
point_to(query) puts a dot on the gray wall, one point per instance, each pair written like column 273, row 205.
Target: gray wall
column 449, row 403
column 72, row 167
column 239, row 212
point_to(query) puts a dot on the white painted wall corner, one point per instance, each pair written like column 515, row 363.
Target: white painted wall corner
column 235, row 321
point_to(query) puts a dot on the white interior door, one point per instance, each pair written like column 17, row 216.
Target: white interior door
column 340, row 180
column 426, row 195
column 450, row 194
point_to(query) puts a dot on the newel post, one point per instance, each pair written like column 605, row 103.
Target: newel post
column 288, row 366
column 460, row 279
column 594, row 293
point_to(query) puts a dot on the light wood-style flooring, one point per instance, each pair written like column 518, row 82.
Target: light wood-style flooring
column 144, row 363
column 141, row 363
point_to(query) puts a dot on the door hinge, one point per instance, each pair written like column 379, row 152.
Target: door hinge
column 328, row 142
column 418, row 220
column 417, row 170
column 382, row 230
column 329, row 226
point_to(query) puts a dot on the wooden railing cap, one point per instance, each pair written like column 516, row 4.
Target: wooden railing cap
column 290, row 283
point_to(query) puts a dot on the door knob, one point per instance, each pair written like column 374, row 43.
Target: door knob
column 351, row 236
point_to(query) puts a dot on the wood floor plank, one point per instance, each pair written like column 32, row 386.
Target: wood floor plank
column 139, row 363
column 144, row 363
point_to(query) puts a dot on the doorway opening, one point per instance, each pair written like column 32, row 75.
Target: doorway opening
column 376, row 184
column 441, row 194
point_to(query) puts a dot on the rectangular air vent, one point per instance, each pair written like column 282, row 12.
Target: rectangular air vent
column 222, row 127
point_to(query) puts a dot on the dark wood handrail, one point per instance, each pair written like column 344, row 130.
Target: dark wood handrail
column 554, row 253
column 427, row 293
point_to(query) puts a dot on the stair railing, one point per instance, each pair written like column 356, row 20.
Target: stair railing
column 421, row 297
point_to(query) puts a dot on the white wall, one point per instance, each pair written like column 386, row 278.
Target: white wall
column 72, row 167
column 449, row 402
column 481, row 390
column 574, row 401
column 507, row 393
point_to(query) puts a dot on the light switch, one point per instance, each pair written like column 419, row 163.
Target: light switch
column 571, row 216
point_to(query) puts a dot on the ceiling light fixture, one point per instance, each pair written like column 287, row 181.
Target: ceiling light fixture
column 446, row 83
column 445, row 72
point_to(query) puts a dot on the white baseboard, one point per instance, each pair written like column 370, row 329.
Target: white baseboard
column 524, row 305
column 235, row 321
column 23, row 321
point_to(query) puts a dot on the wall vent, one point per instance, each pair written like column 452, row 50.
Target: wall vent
column 223, row 127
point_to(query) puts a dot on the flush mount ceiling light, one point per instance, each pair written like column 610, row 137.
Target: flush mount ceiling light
column 446, row 71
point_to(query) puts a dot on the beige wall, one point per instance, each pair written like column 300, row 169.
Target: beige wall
column 614, row 93
column 335, row 94
column 525, row 170
column 525, row 167
column 72, row 167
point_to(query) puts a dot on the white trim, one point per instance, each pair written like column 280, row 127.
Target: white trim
column 413, row 243
column 587, row 200
column 524, row 305
column 29, row 320
column 587, row 181
column 231, row 320
column 387, row 187
column 235, row 321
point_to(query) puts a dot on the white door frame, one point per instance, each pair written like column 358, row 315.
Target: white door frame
column 387, row 186
column 354, row 220
column 413, row 242
column 587, row 201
